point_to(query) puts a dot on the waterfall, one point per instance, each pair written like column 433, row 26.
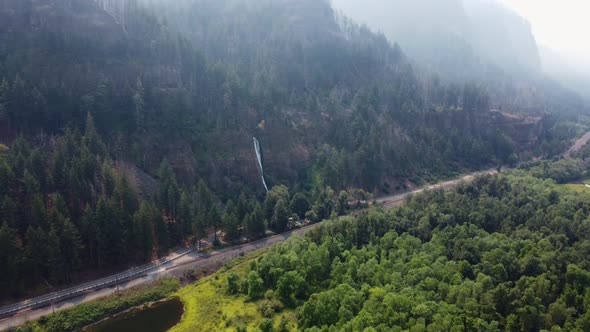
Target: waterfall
column 259, row 158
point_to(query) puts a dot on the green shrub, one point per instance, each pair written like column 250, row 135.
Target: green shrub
column 87, row 313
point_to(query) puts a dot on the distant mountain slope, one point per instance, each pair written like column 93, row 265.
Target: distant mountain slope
column 332, row 103
column 459, row 39
column 470, row 41
column 502, row 37
column 572, row 73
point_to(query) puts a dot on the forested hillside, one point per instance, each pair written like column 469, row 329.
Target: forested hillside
column 504, row 253
column 126, row 128
column 291, row 73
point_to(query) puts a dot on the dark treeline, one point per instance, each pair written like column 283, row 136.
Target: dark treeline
column 504, row 253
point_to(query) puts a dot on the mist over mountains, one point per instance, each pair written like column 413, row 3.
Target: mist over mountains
column 461, row 40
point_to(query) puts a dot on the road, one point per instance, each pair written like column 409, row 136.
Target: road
column 578, row 145
column 18, row 313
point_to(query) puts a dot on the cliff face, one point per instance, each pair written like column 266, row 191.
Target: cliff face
column 524, row 130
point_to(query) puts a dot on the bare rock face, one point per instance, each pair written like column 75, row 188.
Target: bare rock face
column 524, row 130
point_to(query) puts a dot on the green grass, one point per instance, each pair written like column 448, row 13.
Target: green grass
column 578, row 187
column 209, row 306
column 85, row 314
column 3, row 148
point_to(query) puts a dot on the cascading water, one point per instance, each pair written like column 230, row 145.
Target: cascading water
column 259, row 158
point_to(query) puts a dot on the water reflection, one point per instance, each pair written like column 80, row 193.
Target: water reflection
column 159, row 317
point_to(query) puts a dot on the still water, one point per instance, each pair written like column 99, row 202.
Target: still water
column 159, row 317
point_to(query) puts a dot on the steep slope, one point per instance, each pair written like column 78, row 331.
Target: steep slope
column 502, row 37
column 459, row 39
column 334, row 106
column 331, row 102
column 336, row 86
column 471, row 40
column 572, row 73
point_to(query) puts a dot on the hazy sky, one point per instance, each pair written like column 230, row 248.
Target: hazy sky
column 562, row 25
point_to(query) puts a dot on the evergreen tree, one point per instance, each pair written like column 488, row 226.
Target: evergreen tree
column 36, row 254
column 162, row 233
column 8, row 211
column 108, row 177
column 9, row 259
column 91, row 139
column 185, row 215
column 71, row 245
column 109, row 234
column 168, row 193
column 300, row 204
column 89, row 236
column 272, row 197
column 55, row 257
column 139, row 103
column 243, row 206
column 255, row 222
column 144, row 222
column 204, row 200
column 231, row 226
column 280, row 217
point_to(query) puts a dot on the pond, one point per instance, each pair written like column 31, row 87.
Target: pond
column 159, row 317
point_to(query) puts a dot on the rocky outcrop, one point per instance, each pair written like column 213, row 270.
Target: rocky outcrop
column 525, row 130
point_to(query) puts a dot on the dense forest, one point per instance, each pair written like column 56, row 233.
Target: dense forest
column 504, row 253
column 68, row 207
column 317, row 90
column 126, row 128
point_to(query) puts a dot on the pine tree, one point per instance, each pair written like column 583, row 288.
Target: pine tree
column 36, row 254
column 231, row 226
column 162, row 233
column 204, row 199
column 9, row 259
column 71, row 245
column 89, row 234
column 185, row 215
column 109, row 234
column 168, row 193
column 255, row 222
column 139, row 103
column 243, row 206
column 108, row 178
column 55, row 257
column 125, row 195
column 144, row 221
column 91, row 139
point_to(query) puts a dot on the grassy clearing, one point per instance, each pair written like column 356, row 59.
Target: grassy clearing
column 209, row 306
column 85, row 314
column 578, row 187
